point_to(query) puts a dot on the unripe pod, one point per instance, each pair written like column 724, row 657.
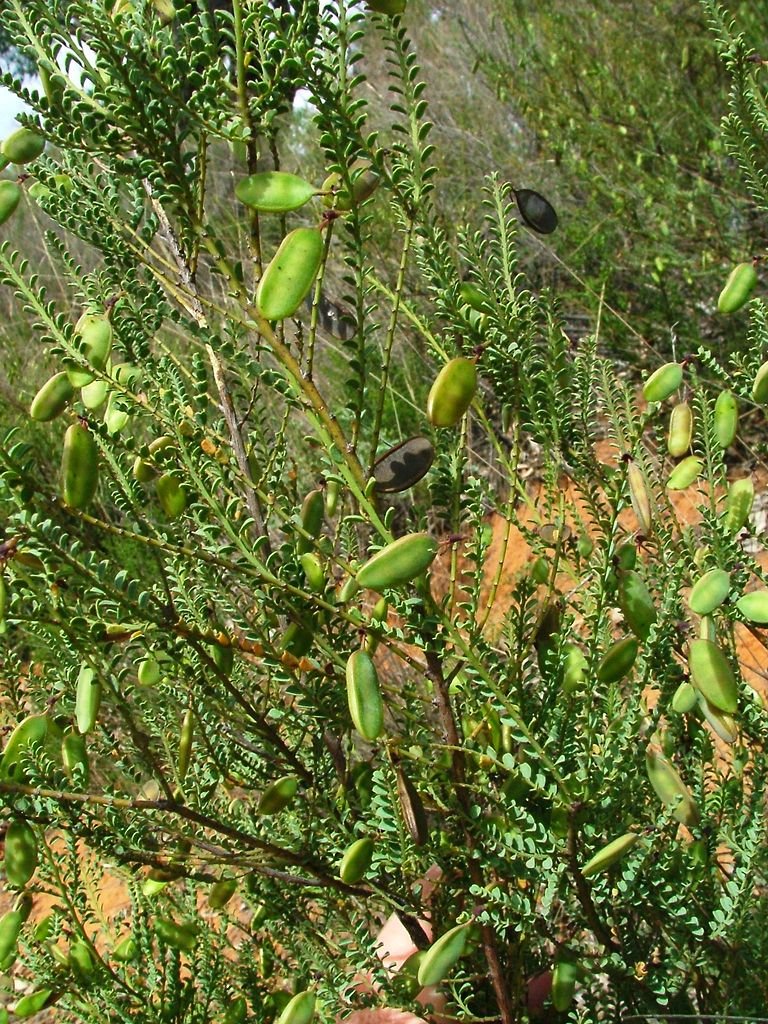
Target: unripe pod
column 575, row 670
column 670, row 788
column 179, row 936
column 32, row 1003
column 626, row 555
column 52, row 398
column 709, row 591
column 87, row 699
column 291, row 273
column 684, row 699
column 74, row 756
column 452, row 392
column 221, row 893
column 96, row 334
column 474, row 297
column 237, row 1011
column 390, row 7
column 540, row 570
column 564, row 978
column 171, row 495
column 609, row 854
column 224, row 657
column 331, row 497
column 22, row 146
column 640, row 497
column 760, row 385
column 148, row 673
column 636, row 603
column 10, row 927
column 80, row 959
column 185, row 743
column 363, row 695
column 754, row 606
column 300, row 1010
column 274, row 191
column 297, row 640
column 663, row 382
column 685, row 473
column 442, row 955
column 20, row 861
column 364, row 180
column 126, row 950
column 79, row 466
column 726, row 418
column 399, row 562
column 116, row 415
column 279, row 795
column 356, row 861
column 618, row 660
column 723, row 724
column 93, row 395
column 738, row 504
column 312, row 514
column 313, row 572
column 29, row 732
column 712, row 675
column 10, row 197
column 680, row 430
column 738, row 288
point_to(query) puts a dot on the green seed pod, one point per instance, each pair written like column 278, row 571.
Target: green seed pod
column 684, row 699
column 171, row 495
column 663, row 382
column 39, row 192
column 364, row 697
column 474, row 297
column 618, row 660
column 412, row 809
column 609, row 854
column 738, row 504
column 10, row 928
column 390, row 7
column 95, row 333
column 348, row 590
column 312, row 515
column 760, row 385
column 564, row 977
column 279, row 795
column 680, row 430
column 181, row 936
column 313, row 572
column 726, row 418
column 52, row 398
column 398, row 563
column 575, row 668
column 34, row 1002
column 93, row 395
column 30, row 732
column 709, row 591
column 364, row 182
column 537, row 212
column 116, row 416
column 126, row 950
column 452, row 392
column 10, row 197
column 754, row 606
column 636, row 603
column 186, row 739
column 149, row 672
column 221, row 893
column 640, row 497
column 237, row 1011
column 356, row 861
column 626, row 555
column 224, row 657
column 87, row 699
column 724, row 725
column 403, row 466
column 274, row 191
column 712, row 675
column 20, row 860
column 539, row 570
column 670, row 788
column 300, row 1010
column 22, row 146
column 79, row 466
column 74, row 756
column 291, row 273
column 297, row 640
column 738, row 288
column 442, row 955
column 80, row 959
column 332, row 488
column 685, row 473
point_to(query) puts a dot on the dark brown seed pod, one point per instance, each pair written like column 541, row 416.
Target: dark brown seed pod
column 536, row 211
column 403, row 466
column 414, row 815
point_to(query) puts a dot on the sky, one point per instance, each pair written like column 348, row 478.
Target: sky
column 10, row 106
